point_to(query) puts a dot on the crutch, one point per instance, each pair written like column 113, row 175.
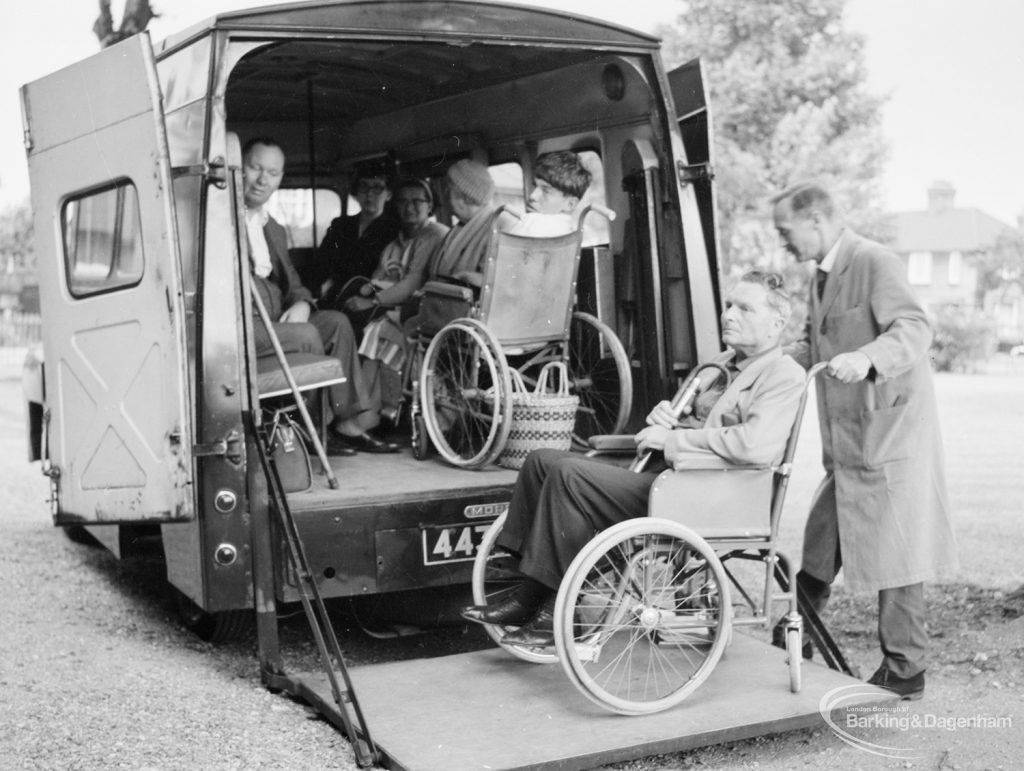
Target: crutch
column 307, row 421
column 682, row 402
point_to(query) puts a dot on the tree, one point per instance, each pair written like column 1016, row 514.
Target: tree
column 788, row 102
column 137, row 14
column 16, row 241
column 1002, row 263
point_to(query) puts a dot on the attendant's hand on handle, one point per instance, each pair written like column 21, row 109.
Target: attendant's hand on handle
column 849, row 367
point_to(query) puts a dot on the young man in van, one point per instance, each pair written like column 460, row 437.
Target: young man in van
column 561, row 181
column 296, row 322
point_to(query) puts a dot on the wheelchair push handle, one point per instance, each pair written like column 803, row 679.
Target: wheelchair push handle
column 682, row 402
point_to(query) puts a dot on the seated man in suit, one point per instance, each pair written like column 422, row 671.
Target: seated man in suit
column 561, row 500
column 298, row 325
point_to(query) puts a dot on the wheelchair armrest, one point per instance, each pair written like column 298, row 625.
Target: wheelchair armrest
column 701, row 462
column 620, row 444
column 719, row 500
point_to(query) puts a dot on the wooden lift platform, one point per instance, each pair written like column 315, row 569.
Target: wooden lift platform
column 489, row 710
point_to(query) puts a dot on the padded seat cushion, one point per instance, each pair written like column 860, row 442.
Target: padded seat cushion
column 308, row 369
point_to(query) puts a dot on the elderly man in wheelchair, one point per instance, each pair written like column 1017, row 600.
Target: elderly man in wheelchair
column 561, row 499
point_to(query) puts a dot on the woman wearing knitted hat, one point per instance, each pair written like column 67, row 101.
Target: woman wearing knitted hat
column 471, row 196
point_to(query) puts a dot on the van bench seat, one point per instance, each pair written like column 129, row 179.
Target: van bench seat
column 309, row 370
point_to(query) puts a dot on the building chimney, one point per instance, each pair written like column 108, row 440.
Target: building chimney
column 940, row 196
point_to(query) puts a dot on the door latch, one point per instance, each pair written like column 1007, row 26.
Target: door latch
column 230, row 447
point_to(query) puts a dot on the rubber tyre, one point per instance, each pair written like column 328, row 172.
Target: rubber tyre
column 466, row 394
column 642, row 616
column 217, row 627
column 600, row 375
column 493, row 579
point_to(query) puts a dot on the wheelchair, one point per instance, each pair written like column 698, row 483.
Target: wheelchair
column 647, row 608
column 523, row 318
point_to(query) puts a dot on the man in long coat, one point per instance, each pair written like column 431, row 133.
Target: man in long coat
column 881, row 512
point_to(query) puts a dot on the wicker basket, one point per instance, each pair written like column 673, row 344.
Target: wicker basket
column 539, row 419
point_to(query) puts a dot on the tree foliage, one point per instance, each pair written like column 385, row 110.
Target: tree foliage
column 789, row 102
column 1002, row 263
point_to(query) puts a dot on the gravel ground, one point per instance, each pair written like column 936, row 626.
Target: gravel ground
column 98, row 673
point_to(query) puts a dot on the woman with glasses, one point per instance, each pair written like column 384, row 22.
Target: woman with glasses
column 382, row 305
column 403, row 264
column 353, row 243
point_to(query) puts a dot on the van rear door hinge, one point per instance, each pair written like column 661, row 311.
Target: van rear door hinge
column 694, row 173
column 230, row 447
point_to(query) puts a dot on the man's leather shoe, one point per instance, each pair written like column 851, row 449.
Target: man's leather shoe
column 779, row 641
column 511, row 611
column 364, row 442
column 336, row 449
column 908, row 688
column 539, row 633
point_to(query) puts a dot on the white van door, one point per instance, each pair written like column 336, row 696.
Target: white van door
column 118, row 431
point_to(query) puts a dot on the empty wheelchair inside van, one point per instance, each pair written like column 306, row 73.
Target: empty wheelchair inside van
column 523, row 318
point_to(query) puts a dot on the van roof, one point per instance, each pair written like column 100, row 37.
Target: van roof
column 422, row 20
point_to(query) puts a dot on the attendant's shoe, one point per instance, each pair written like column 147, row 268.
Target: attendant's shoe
column 907, row 688
column 364, row 442
column 779, row 641
column 539, row 633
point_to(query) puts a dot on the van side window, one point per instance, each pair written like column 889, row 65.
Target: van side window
column 304, row 217
column 102, row 240
column 508, row 185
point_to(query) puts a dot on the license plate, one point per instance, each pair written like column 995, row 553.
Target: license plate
column 454, row 543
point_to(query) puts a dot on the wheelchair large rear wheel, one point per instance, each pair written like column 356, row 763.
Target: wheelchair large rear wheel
column 494, row 579
column 642, row 616
column 600, row 376
column 466, row 394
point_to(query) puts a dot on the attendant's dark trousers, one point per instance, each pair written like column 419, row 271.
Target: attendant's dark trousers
column 560, row 501
column 901, row 609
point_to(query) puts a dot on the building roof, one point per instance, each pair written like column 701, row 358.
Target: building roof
column 955, row 229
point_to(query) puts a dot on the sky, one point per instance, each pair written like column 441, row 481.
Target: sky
column 952, row 70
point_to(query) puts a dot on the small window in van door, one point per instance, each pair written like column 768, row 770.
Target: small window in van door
column 508, row 185
column 596, row 230
column 102, row 240
column 305, row 217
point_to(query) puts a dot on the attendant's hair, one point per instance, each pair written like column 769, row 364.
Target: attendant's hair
column 804, row 196
column 564, row 171
column 774, row 284
column 266, row 141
